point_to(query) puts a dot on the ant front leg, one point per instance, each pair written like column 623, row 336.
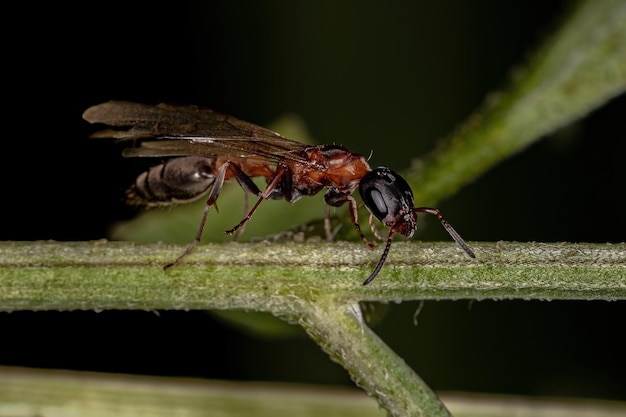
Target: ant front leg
column 336, row 199
column 372, row 222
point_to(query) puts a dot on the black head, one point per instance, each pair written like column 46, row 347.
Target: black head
column 389, row 198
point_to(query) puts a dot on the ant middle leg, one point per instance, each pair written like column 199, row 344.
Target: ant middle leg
column 335, row 198
column 249, row 187
column 242, row 178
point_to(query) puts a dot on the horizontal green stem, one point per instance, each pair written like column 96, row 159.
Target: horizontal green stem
column 30, row 392
column 269, row 277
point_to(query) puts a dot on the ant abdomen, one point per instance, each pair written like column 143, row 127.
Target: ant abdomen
column 177, row 180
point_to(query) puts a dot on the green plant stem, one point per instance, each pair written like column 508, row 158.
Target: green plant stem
column 316, row 285
column 373, row 366
column 270, row 277
column 33, row 392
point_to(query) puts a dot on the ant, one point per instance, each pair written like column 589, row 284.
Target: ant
column 206, row 148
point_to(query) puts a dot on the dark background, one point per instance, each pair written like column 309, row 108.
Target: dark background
column 392, row 77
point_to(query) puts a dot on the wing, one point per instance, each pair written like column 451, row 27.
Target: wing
column 178, row 130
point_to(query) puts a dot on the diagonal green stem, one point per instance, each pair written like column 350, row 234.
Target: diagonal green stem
column 373, row 366
column 578, row 69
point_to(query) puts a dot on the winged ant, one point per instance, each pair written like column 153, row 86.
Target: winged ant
column 205, row 148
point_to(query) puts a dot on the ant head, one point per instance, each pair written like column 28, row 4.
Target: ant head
column 389, row 198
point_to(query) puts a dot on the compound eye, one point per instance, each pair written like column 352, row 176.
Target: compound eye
column 375, row 203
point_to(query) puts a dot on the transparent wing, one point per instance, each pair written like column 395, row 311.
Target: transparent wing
column 175, row 130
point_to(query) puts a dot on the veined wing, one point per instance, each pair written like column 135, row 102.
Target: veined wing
column 177, row 130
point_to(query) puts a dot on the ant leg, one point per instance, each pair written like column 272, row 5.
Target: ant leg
column 249, row 187
column 330, row 233
column 355, row 220
column 373, row 227
column 215, row 192
column 457, row 238
column 246, row 205
column 278, row 174
column 327, row 225
column 244, row 180
column 336, row 199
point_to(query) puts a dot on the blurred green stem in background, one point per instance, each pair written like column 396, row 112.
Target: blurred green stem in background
column 578, row 69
